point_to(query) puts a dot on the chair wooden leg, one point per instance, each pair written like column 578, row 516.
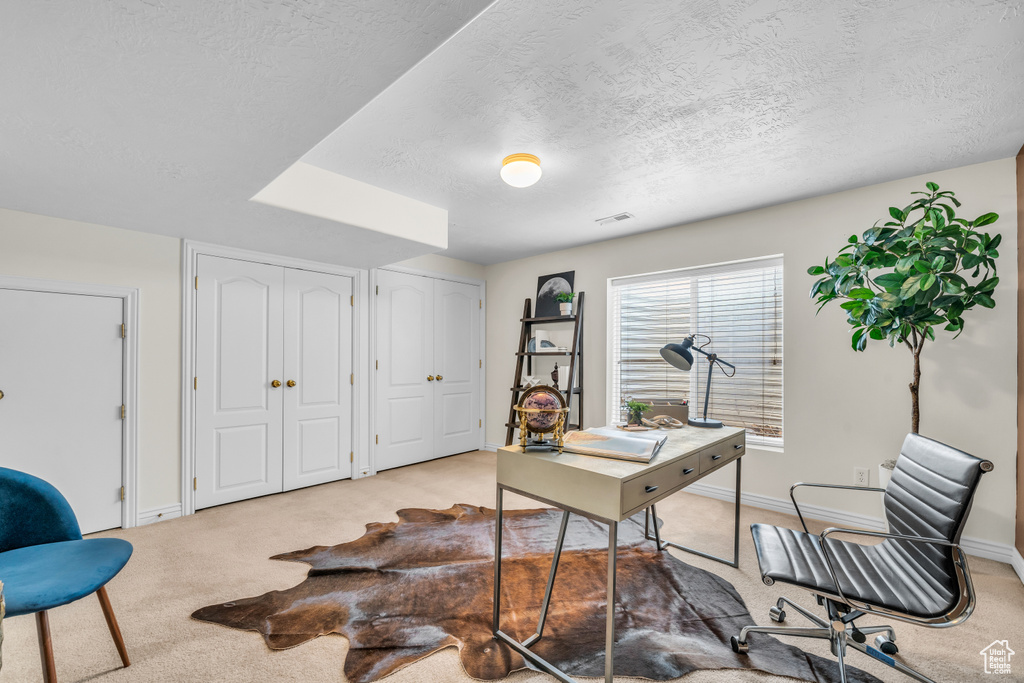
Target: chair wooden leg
column 46, row 647
column 115, row 631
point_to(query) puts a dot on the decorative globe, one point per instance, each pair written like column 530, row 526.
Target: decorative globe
column 541, row 422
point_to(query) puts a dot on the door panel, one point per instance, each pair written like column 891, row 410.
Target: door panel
column 405, row 355
column 318, row 358
column 61, row 365
column 239, row 317
column 457, row 349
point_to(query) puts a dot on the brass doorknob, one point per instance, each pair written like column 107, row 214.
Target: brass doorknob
column 291, row 383
column 1, row 394
column 276, row 383
column 430, row 378
column 439, row 378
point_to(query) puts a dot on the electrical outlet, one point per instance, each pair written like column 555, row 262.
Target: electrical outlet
column 861, row 476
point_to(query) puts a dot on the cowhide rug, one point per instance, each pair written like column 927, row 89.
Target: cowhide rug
column 407, row 589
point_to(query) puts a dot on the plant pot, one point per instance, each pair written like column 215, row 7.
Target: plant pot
column 565, row 308
column 884, row 475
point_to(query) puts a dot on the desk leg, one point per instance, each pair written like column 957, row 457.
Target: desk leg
column 735, row 562
column 609, row 636
column 497, row 561
column 551, row 582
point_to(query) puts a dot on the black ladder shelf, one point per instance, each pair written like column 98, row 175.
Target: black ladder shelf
column 575, row 357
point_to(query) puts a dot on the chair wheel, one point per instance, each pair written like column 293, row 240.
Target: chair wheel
column 885, row 645
column 738, row 647
column 777, row 615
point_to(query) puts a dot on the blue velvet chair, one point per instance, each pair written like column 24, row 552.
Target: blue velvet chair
column 45, row 562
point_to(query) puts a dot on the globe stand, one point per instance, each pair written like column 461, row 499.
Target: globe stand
column 539, row 421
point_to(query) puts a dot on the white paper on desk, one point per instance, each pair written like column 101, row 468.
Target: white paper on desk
column 610, row 442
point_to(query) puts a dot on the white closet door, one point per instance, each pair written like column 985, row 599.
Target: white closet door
column 405, row 356
column 238, row 356
column 457, row 363
column 318, row 359
column 61, row 364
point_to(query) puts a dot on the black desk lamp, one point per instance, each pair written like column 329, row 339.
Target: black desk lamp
column 679, row 356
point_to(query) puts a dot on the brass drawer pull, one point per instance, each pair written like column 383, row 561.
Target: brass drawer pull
column 688, row 470
column 716, row 457
column 650, row 489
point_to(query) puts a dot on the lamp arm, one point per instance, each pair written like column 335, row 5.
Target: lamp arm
column 714, row 357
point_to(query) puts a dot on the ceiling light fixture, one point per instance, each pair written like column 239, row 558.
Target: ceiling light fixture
column 520, row 170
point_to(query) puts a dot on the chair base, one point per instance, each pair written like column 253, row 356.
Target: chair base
column 839, row 630
column 46, row 643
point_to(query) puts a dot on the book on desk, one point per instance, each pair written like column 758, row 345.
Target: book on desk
column 612, row 442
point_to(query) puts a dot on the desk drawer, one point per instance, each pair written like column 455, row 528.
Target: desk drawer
column 727, row 451
column 652, row 485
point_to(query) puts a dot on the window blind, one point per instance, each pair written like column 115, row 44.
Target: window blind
column 739, row 306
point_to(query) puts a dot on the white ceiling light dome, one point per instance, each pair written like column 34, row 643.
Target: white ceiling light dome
column 520, row 170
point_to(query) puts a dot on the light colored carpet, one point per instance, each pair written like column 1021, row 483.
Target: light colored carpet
column 221, row 553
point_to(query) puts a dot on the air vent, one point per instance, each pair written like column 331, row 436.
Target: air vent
column 617, row 218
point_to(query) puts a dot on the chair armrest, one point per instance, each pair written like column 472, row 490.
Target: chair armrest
column 961, row 561
column 793, row 488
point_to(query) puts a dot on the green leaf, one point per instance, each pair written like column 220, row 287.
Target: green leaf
column 988, row 285
column 862, row 293
column 985, row 300
column 922, row 266
column 932, row 186
column 994, row 242
column 897, row 214
column 889, row 300
column 890, row 281
column 927, row 280
column 911, row 286
column 971, row 260
column 858, row 341
column 985, row 219
column 876, row 334
column 815, row 270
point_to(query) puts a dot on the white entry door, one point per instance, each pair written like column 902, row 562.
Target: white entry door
column 61, row 365
column 458, row 366
column 239, row 356
column 405, row 370
column 428, row 374
column 318, row 367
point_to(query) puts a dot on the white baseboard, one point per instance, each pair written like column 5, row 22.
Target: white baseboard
column 493, row 447
column 1000, row 552
column 1017, row 562
column 159, row 514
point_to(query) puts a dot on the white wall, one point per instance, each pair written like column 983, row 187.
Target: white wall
column 842, row 409
column 56, row 249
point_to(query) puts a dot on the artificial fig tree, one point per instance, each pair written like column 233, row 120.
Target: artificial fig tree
column 898, row 281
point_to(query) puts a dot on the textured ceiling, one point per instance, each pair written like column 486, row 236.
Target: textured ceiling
column 166, row 116
column 679, row 111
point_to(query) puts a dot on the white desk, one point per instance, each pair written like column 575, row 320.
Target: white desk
column 609, row 491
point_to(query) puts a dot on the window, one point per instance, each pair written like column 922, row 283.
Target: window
column 738, row 305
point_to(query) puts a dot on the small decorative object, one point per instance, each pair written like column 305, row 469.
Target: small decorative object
column 530, row 381
column 545, row 346
column 636, row 411
column 899, row 280
column 541, row 410
column 565, row 302
column 885, row 473
column 679, row 356
column 548, row 288
column 554, row 376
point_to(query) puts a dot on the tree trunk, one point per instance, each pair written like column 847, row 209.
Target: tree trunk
column 915, row 388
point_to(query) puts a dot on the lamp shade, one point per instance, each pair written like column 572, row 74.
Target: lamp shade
column 678, row 355
column 520, row 170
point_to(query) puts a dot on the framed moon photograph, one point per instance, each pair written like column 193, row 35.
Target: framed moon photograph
column 549, row 287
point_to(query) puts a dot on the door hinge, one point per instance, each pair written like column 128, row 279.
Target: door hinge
column 351, row 456
column 194, row 483
column 122, row 331
column 481, row 363
column 122, row 493
column 376, row 438
column 122, row 411
column 195, row 384
column 481, row 302
column 352, row 379
column 376, row 365
column 377, row 290
column 351, row 299
column 197, row 282
column 481, row 422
